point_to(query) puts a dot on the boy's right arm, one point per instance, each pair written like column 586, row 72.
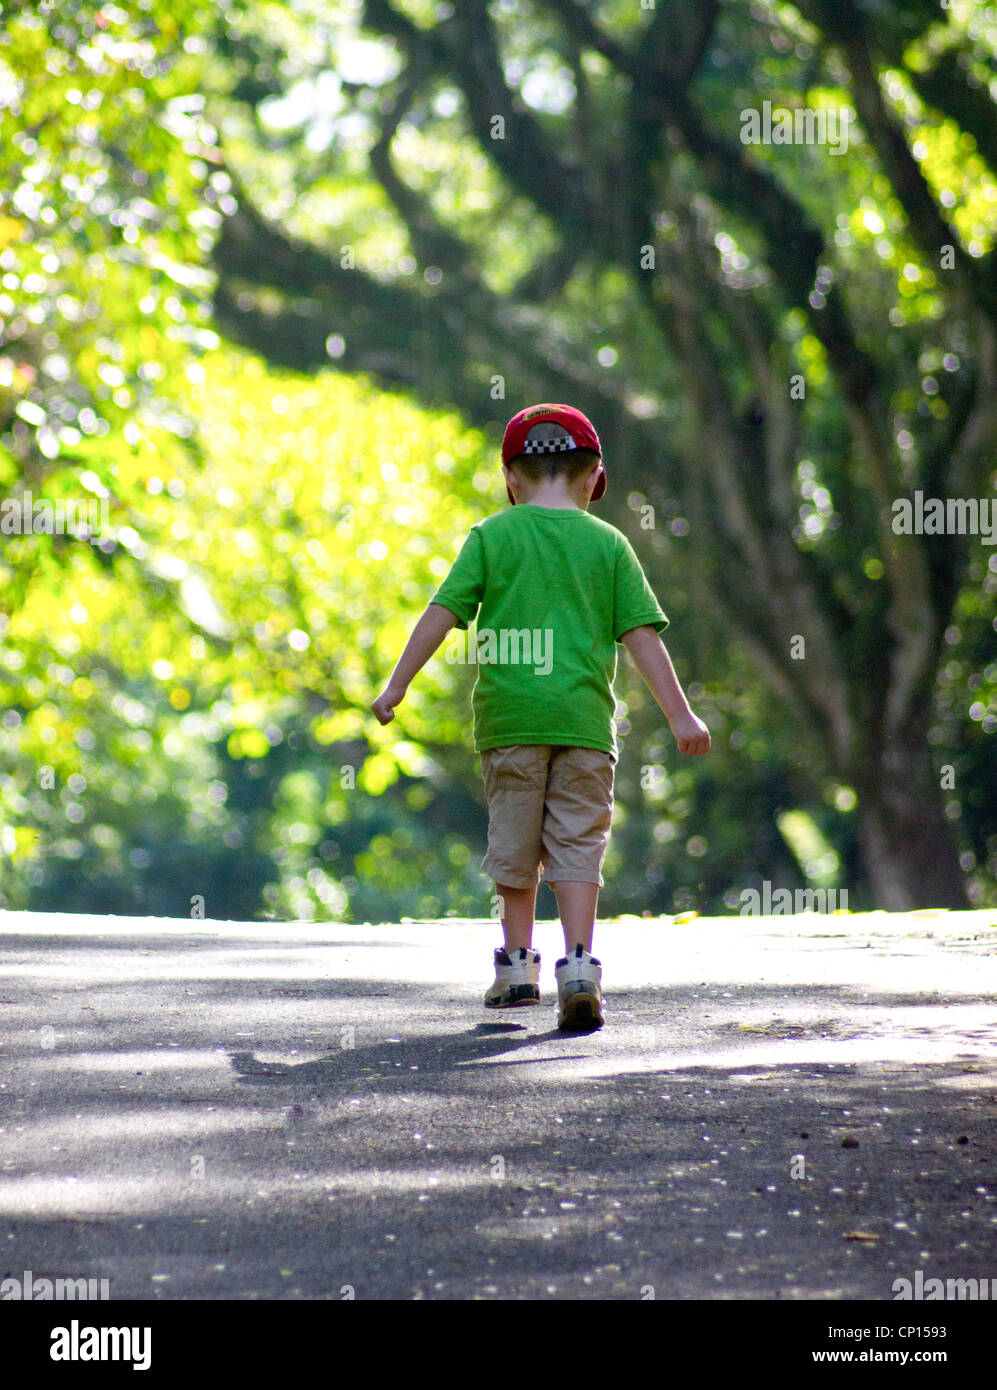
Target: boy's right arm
column 651, row 658
column 426, row 636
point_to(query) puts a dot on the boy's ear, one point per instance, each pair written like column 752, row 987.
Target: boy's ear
column 512, row 482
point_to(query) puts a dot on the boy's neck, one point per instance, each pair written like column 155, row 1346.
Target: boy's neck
column 556, row 497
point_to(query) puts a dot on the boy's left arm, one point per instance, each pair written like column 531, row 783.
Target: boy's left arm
column 427, row 635
column 650, row 656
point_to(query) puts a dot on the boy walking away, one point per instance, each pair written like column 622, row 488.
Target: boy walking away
column 557, row 589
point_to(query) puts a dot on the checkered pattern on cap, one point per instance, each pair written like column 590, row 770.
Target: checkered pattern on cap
column 558, row 445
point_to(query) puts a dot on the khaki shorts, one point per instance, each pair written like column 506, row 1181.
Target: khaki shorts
column 550, row 806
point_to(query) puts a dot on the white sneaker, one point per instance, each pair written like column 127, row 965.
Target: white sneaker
column 517, row 979
column 579, row 990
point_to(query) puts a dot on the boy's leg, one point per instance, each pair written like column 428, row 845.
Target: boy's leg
column 518, row 907
column 577, row 820
column 515, row 778
column 576, row 906
column 514, row 782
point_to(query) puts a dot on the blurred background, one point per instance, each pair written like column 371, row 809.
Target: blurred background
column 274, row 275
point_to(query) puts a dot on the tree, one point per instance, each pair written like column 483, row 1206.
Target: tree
column 620, row 221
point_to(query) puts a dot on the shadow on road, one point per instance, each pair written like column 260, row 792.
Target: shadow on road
column 213, row 1121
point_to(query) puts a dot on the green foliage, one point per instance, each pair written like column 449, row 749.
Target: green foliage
column 261, row 594
column 185, row 689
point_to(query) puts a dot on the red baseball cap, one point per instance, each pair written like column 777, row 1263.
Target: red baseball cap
column 577, row 432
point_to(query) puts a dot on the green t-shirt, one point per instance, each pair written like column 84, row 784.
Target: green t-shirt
column 556, row 590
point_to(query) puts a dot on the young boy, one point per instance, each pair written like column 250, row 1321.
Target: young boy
column 557, row 589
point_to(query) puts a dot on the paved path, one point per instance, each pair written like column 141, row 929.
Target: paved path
column 778, row 1108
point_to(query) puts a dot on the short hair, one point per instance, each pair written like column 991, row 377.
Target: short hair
column 571, row 464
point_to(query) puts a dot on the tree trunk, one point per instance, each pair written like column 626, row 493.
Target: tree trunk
column 908, row 844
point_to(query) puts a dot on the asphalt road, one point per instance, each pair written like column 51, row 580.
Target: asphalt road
column 777, row 1108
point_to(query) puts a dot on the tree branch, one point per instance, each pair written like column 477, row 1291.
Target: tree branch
column 925, row 223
